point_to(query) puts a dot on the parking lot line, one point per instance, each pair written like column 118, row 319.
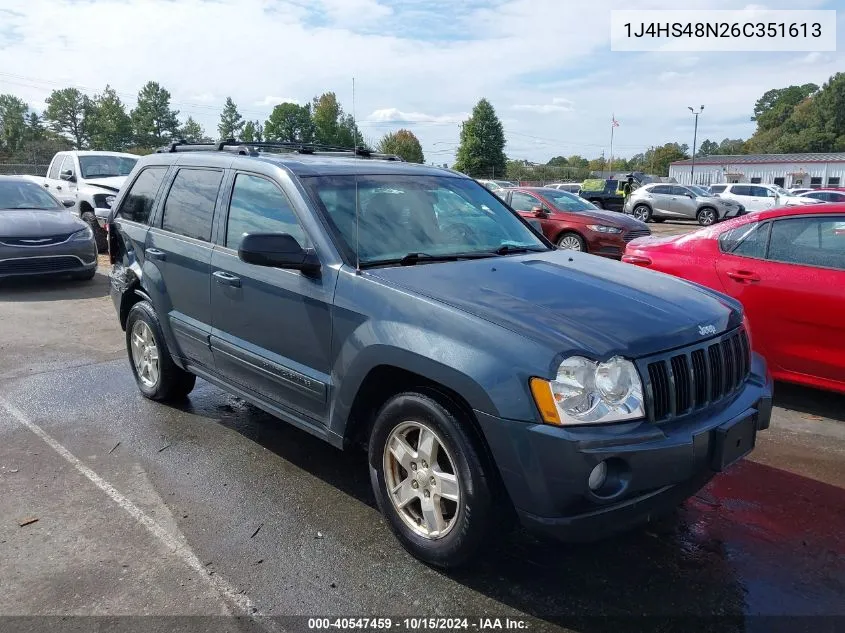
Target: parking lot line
column 237, row 599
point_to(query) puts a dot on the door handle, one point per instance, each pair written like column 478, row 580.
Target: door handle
column 743, row 276
column 226, row 279
column 46, row 185
column 154, row 253
column 59, row 187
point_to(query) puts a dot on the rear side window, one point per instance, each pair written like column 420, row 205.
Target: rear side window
column 189, row 208
column 748, row 240
column 741, row 190
column 139, row 200
column 259, row 206
column 662, row 189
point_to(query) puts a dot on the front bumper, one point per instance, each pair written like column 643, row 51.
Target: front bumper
column 67, row 258
column 545, row 469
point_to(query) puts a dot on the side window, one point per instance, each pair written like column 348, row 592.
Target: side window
column 680, row 191
column 259, row 206
column 815, row 182
column 717, row 188
column 662, row 189
column 763, row 192
column 139, row 200
column 67, row 165
column 741, row 190
column 814, row 241
column 748, row 240
column 189, row 208
column 53, row 174
column 523, row 202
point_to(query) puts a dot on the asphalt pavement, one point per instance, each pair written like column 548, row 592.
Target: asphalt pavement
column 112, row 505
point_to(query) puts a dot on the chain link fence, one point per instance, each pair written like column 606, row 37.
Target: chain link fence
column 20, row 169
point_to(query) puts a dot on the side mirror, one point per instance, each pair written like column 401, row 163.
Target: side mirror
column 69, row 203
column 278, row 250
column 540, row 212
column 67, row 174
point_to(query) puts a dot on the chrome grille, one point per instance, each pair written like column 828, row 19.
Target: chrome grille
column 693, row 378
column 47, row 240
column 635, row 233
column 28, row 265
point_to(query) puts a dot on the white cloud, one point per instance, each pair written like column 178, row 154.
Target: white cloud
column 274, row 101
column 204, row 97
column 558, row 104
column 394, row 115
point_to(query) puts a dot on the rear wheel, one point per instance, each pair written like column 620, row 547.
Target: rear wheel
column 431, row 480
column 642, row 212
column 571, row 242
column 157, row 376
column 99, row 234
column 707, row 216
column 598, row 203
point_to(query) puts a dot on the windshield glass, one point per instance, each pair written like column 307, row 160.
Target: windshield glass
column 780, row 192
column 106, row 166
column 700, row 191
column 432, row 215
column 16, row 194
column 566, row 201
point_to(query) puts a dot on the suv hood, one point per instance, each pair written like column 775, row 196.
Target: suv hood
column 574, row 302
column 38, row 223
column 110, row 183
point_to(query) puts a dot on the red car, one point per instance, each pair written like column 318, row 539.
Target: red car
column 574, row 223
column 787, row 267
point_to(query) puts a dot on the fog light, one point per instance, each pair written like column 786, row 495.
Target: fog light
column 598, row 476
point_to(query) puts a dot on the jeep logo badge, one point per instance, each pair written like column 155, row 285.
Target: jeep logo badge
column 705, row 330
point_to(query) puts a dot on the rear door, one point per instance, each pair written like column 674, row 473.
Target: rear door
column 179, row 249
column 271, row 327
column 660, row 197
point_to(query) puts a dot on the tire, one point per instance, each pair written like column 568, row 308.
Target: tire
column 570, row 241
column 598, row 204
column 168, row 382
column 707, row 216
column 86, row 276
column 99, row 234
column 466, row 522
column 658, row 220
column 642, row 212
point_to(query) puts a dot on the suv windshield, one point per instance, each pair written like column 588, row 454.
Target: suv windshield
column 25, row 195
column 432, row 217
column 700, row 191
column 106, row 166
column 566, row 201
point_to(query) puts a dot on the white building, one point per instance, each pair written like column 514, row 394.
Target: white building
column 785, row 170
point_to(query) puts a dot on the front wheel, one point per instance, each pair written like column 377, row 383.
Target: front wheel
column 707, row 216
column 430, row 480
column 571, row 242
column 642, row 213
column 157, row 376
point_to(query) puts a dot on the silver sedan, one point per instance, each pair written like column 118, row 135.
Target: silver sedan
column 39, row 236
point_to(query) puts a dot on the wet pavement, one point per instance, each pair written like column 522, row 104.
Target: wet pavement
column 254, row 514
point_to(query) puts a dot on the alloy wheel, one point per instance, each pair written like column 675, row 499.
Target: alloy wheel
column 145, row 354
column 570, row 243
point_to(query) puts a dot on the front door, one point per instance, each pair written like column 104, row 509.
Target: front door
column 272, row 328
column 683, row 202
column 179, row 249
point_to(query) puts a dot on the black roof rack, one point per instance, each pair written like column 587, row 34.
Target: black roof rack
column 254, row 149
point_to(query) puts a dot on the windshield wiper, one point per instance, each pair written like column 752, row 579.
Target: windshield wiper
column 510, row 249
column 411, row 259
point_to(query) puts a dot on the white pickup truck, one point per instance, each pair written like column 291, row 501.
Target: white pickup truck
column 91, row 179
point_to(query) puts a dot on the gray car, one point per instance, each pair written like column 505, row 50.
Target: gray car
column 39, row 236
column 661, row 201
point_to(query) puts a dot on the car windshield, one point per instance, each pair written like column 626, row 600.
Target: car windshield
column 16, row 194
column 566, row 201
column 106, row 166
column 504, row 183
column 701, row 191
column 430, row 217
column 780, row 192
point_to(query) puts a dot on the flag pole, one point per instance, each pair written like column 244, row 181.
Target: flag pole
column 612, row 125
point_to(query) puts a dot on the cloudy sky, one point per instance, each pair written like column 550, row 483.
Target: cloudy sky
column 546, row 65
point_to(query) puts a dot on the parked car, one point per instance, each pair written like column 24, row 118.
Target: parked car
column 825, row 195
column 487, row 373
column 604, row 194
column 787, row 267
column 573, row 223
column 758, row 197
column 39, row 237
column 571, row 187
column 497, row 185
column 90, row 180
column 797, row 191
column 661, row 201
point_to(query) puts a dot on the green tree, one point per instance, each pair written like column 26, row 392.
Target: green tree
column 732, row 146
column 192, row 131
column 326, row 114
column 290, row 123
column 481, row 153
column 403, row 143
column 231, row 121
column 558, row 161
column 34, row 128
column 12, row 122
column 253, row 132
column 578, row 161
column 598, row 164
column 707, row 148
column 776, row 105
column 109, row 126
column 153, row 122
column 68, row 111
column 666, row 154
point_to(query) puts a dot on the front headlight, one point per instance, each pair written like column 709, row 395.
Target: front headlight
column 82, row 236
column 601, row 228
column 587, row 392
column 109, row 201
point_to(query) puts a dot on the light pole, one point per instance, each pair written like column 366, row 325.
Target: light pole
column 694, row 138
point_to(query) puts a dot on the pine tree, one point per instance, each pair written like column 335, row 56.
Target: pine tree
column 481, row 153
column 153, row 122
column 231, row 121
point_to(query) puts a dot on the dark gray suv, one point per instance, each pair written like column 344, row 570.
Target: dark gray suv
column 408, row 310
